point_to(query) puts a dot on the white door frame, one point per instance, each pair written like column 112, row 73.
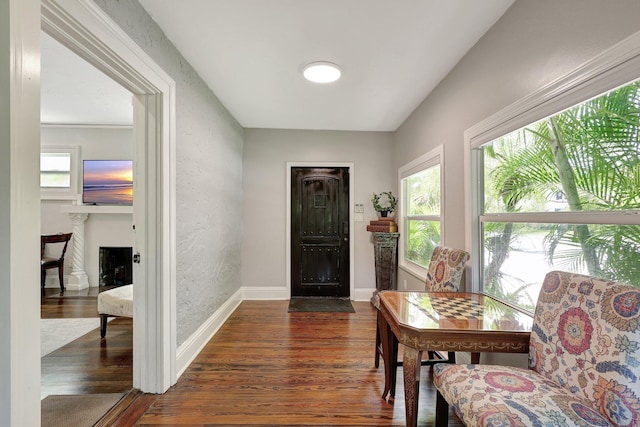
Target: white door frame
column 351, row 220
column 85, row 29
column 19, row 213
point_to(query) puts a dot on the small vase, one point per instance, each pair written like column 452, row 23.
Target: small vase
column 383, row 214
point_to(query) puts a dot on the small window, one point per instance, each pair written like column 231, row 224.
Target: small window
column 55, row 171
column 59, row 172
column 420, row 216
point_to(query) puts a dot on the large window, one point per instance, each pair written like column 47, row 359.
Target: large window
column 59, row 172
column 420, row 211
column 561, row 193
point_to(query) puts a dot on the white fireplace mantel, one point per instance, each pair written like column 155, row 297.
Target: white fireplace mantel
column 89, row 209
column 78, row 278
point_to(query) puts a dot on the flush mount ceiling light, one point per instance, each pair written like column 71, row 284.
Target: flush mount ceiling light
column 321, row 72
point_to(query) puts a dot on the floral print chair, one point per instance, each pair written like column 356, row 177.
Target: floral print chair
column 584, row 363
column 445, row 269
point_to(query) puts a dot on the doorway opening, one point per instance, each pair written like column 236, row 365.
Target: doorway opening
column 86, row 29
column 88, row 114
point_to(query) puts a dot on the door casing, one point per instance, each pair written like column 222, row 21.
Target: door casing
column 320, row 164
column 323, row 248
column 86, row 29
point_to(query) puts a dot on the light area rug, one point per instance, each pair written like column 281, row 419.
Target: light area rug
column 76, row 411
column 55, row 333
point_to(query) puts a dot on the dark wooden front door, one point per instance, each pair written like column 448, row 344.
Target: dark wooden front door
column 320, row 232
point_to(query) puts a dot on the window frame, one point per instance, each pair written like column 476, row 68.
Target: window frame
column 611, row 69
column 434, row 157
column 70, row 193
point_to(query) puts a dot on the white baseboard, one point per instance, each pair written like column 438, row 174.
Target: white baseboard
column 51, row 281
column 282, row 293
column 362, row 294
column 266, row 293
column 188, row 351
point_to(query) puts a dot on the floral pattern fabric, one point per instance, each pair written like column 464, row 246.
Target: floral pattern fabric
column 487, row 395
column 584, row 363
column 445, row 269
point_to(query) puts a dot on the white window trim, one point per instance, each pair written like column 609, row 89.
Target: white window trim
column 63, row 193
column 427, row 160
column 613, row 68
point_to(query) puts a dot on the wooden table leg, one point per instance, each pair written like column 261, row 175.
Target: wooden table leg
column 385, row 341
column 411, row 366
column 393, row 357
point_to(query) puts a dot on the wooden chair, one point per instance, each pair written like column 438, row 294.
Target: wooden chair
column 47, row 262
column 444, row 275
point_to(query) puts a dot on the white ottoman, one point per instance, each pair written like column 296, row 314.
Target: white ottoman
column 114, row 302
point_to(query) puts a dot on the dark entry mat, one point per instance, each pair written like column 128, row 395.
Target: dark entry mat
column 320, row 305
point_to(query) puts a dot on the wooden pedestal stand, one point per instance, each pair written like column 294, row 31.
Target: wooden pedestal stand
column 385, row 246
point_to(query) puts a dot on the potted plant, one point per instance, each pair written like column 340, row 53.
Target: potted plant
column 387, row 205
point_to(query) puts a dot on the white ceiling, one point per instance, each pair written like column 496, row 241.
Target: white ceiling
column 75, row 92
column 250, row 53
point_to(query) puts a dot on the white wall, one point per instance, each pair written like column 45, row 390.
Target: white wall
column 534, row 43
column 266, row 153
column 100, row 229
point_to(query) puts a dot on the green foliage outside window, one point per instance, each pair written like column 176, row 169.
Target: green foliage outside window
column 424, row 236
column 585, row 159
column 422, row 219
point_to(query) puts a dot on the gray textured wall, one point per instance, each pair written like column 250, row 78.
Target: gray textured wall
column 208, row 177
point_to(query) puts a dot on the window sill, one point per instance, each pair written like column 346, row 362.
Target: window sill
column 417, row 272
column 51, row 195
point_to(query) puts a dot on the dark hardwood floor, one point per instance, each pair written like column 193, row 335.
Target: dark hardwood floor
column 89, row 364
column 264, row 366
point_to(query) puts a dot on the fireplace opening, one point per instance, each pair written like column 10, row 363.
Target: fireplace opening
column 116, row 266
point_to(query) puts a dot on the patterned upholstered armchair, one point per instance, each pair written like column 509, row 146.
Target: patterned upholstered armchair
column 584, row 363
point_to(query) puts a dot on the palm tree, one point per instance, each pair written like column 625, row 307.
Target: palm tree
column 589, row 154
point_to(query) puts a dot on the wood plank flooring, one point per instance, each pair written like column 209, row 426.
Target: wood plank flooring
column 264, row 366
column 269, row 367
column 89, row 364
